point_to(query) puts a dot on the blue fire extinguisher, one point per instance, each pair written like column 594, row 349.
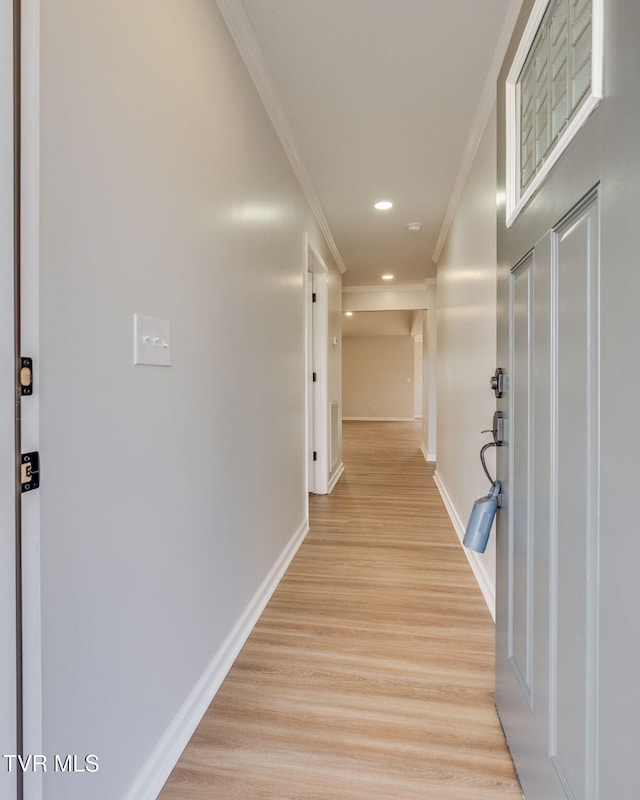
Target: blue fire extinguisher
column 481, row 520
column 484, row 509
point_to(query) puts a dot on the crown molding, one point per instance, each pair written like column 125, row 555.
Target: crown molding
column 239, row 24
column 483, row 112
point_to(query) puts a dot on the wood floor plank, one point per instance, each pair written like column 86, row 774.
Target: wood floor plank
column 370, row 673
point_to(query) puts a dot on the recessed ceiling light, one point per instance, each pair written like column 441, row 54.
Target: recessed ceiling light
column 384, row 205
column 388, row 277
column 348, row 313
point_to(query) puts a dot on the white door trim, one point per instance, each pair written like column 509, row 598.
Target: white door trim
column 308, row 394
column 319, row 354
column 30, row 340
column 8, row 694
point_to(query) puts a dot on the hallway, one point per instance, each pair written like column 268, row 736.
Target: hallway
column 370, row 674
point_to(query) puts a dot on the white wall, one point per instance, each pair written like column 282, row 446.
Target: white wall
column 418, row 367
column 334, row 293
column 377, row 377
column 427, row 410
column 430, row 374
column 467, row 347
column 385, row 298
column 169, row 492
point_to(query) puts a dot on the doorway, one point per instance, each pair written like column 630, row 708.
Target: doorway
column 382, row 365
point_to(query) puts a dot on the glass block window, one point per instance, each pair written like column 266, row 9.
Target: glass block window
column 554, row 81
column 554, row 84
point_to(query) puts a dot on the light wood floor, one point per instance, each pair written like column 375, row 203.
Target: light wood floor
column 370, row 673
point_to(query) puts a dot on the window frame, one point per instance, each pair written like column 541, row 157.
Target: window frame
column 516, row 199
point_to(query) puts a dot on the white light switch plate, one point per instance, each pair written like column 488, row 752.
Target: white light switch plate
column 151, row 341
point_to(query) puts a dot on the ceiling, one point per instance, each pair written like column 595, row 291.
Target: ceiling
column 381, row 97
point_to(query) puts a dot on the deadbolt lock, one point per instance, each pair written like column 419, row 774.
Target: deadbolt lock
column 497, row 382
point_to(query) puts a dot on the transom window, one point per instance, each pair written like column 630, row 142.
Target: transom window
column 554, row 84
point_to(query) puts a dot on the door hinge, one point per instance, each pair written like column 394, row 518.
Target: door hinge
column 26, row 376
column 315, row 455
column 314, row 297
column 29, row 471
column 315, row 377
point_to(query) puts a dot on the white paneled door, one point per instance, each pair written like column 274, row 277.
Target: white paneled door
column 8, row 727
column 567, row 533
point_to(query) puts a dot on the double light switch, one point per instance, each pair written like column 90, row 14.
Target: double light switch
column 152, row 341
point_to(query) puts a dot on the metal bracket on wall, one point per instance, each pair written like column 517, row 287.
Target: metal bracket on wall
column 26, row 376
column 29, row 471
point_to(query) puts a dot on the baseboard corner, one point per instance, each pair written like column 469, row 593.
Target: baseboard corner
column 336, row 477
column 428, row 457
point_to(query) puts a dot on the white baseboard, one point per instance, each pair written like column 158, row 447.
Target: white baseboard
column 378, row 419
column 429, row 457
column 336, row 477
column 165, row 755
column 486, row 585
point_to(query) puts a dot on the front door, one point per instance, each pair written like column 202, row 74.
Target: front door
column 567, row 646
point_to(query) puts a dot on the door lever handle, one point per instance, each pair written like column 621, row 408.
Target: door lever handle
column 498, row 429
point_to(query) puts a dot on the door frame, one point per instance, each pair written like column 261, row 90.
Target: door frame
column 10, row 723
column 30, row 345
column 316, row 361
column 308, row 392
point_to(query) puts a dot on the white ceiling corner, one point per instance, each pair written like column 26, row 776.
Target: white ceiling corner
column 241, row 29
